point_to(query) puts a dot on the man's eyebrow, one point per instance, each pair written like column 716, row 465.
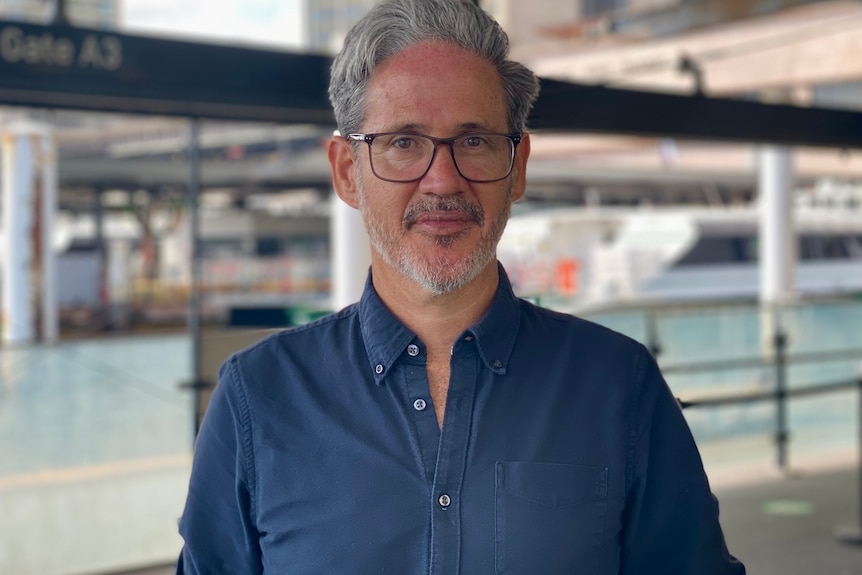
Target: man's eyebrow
column 422, row 129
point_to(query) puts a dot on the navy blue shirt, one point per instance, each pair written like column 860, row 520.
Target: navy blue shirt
column 562, row 451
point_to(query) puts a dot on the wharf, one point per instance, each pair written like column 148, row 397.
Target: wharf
column 787, row 526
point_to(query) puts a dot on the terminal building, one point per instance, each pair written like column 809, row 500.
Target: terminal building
column 266, row 200
column 98, row 429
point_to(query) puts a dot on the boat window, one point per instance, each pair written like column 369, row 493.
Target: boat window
column 721, row 249
column 824, row 247
column 743, row 249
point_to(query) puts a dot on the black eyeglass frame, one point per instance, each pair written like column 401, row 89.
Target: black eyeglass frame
column 369, row 138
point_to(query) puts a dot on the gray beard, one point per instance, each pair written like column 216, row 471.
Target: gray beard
column 436, row 276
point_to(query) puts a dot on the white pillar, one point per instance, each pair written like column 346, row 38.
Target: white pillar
column 29, row 169
column 18, row 210
column 351, row 254
column 777, row 277
column 50, row 307
column 777, row 237
column 119, row 253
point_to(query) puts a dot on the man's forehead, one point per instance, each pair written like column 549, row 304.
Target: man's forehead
column 424, row 128
column 436, row 85
column 433, row 58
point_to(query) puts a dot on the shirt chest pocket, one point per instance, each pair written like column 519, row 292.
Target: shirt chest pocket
column 549, row 518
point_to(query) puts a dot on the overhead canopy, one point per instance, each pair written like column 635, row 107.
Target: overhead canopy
column 65, row 67
column 567, row 107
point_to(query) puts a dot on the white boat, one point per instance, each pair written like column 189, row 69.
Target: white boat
column 596, row 255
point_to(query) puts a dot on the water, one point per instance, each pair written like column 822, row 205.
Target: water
column 743, row 333
column 91, row 402
column 95, row 438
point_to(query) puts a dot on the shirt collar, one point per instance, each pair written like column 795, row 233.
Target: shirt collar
column 386, row 338
column 496, row 332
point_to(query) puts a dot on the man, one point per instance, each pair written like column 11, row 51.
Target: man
column 441, row 425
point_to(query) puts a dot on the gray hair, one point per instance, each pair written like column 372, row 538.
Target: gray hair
column 393, row 25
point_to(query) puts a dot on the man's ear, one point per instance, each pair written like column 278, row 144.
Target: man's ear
column 519, row 170
column 342, row 160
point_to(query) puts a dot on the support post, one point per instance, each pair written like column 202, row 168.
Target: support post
column 29, row 199
column 777, row 238
column 61, row 14
column 777, row 280
column 351, row 254
column 781, row 433
column 17, row 208
column 194, row 288
column 653, row 343
column 101, row 248
column 50, row 306
column 852, row 534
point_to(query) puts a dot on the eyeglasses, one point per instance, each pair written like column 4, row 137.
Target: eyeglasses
column 405, row 157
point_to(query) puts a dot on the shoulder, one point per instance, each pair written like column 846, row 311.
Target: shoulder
column 543, row 323
column 293, row 346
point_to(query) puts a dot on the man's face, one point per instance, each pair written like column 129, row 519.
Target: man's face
column 442, row 230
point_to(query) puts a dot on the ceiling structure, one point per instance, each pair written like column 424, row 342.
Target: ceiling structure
column 60, row 67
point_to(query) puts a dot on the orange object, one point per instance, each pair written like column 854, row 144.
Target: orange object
column 567, row 276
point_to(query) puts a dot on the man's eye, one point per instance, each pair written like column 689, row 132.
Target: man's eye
column 403, row 143
column 474, row 141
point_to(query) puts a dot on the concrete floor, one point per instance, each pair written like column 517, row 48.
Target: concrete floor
column 788, row 526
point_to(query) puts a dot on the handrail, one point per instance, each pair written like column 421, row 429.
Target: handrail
column 730, row 364
column 775, row 358
column 741, row 398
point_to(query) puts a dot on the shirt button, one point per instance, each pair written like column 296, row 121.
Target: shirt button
column 468, row 338
column 419, row 404
column 412, row 350
column 497, row 363
column 379, row 369
column 444, row 501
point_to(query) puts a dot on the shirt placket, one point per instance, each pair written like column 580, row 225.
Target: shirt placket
column 447, row 504
column 422, row 410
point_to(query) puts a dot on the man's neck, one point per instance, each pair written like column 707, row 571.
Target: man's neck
column 438, row 320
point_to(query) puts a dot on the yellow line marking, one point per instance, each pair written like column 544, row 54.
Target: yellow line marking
column 92, row 472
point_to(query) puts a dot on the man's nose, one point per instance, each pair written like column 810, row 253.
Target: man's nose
column 443, row 176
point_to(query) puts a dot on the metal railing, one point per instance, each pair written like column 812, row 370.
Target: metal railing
column 779, row 360
column 781, row 394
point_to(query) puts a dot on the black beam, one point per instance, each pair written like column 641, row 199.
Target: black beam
column 65, row 67
column 566, row 107
column 77, row 68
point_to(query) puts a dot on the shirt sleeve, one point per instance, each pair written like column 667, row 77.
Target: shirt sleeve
column 671, row 524
column 218, row 523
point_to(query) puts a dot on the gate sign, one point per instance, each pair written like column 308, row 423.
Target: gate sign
column 69, row 67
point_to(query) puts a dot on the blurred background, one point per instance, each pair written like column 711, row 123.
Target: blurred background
column 738, row 264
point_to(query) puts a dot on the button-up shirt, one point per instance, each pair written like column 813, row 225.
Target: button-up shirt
column 562, row 451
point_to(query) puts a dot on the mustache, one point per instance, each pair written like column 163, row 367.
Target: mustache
column 443, row 204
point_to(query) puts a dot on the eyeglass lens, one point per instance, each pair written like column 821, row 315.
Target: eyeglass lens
column 407, row 157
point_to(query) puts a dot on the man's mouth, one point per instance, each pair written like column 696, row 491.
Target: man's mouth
column 443, row 215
